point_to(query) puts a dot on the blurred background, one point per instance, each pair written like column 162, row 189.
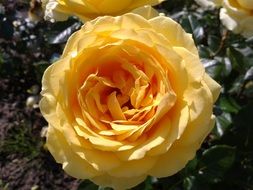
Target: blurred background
column 28, row 45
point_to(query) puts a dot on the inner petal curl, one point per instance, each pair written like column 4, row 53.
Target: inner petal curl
column 126, row 94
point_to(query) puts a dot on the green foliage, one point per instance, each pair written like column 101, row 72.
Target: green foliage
column 3, row 186
column 20, row 140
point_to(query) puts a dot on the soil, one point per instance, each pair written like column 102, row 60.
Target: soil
column 24, row 162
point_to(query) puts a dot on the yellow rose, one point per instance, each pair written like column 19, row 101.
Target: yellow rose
column 59, row 10
column 128, row 98
column 235, row 15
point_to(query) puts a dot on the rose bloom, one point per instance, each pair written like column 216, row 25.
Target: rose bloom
column 59, row 10
column 128, row 98
column 236, row 15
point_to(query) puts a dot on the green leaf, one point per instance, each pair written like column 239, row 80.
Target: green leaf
column 64, row 35
column 249, row 74
column 248, row 90
column 192, row 25
column 87, row 185
column 222, row 123
column 147, row 184
column 194, row 183
column 243, row 123
column 188, row 183
column 213, row 42
column 61, row 31
column 190, row 168
column 104, row 188
column 237, row 59
column 215, row 161
column 228, row 104
column 40, row 68
column 204, row 52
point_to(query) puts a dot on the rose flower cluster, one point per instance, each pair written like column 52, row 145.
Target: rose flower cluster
column 236, row 15
column 89, row 9
column 129, row 97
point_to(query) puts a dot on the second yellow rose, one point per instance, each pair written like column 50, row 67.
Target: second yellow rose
column 235, row 15
column 59, row 10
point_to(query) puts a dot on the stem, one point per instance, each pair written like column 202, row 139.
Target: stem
column 223, row 39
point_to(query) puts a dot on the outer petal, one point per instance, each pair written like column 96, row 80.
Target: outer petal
column 247, row 27
column 174, row 33
column 147, row 12
column 61, row 151
column 86, row 9
column 167, row 165
column 138, row 3
column 140, row 166
column 50, row 90
column 213, row 86
column 247, row 4
column 118, row 183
